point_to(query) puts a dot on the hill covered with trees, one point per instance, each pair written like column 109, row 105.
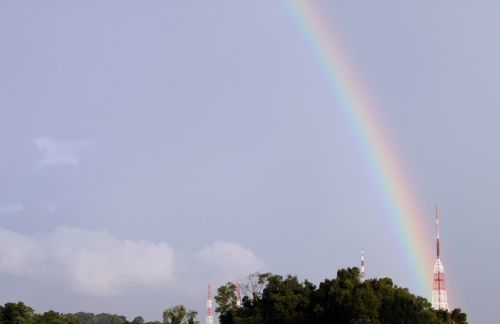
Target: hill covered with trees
column 274, row 299
column 277, row 299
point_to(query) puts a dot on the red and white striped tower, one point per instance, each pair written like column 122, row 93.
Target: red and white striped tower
column 238, row 295
column 210, row 318
column 362, row 272
column 439, row 296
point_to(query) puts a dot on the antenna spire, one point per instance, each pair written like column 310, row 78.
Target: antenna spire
column 362, row 272
column 437, row 232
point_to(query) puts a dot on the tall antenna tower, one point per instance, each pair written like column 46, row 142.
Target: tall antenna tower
column 238, row 295
column 439, row 296
column 210, row 318
column 362, row 272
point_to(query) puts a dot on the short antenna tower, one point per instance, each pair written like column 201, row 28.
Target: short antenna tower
column 362, row 272
column 210, row 318
column 238, row 295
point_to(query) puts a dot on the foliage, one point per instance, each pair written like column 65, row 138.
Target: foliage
column 255, row 284
column 52, row 317
column 280, row 300
column 138, row 320
column 19, row 313
column 179, row 315
column 191, row 317
column 226, row 298
column 103, row 318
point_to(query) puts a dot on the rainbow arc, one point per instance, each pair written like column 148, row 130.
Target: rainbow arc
column 385, row 165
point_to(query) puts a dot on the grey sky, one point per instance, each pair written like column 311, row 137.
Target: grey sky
column 197, row 141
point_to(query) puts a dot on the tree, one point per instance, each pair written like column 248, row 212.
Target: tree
column 191, row 317
column 255, row 284
column 138, row 320
column 458, row 317
column 16, row 313
column 226, row 299
column 179, row 315
column 52, row 317
column 103, row 318
column 85, row 318
column 174, row 315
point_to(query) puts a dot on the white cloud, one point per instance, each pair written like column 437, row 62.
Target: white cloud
column 17, row 253
column 10, row 208
column 93, row 263
column 97, row 263
column 56, row 152
column 228, row 261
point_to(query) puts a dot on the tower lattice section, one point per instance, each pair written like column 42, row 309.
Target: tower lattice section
column 439, row 295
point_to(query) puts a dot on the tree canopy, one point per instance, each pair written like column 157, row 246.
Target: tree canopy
column 345, row 299
column 179, row 315
column 19, row 313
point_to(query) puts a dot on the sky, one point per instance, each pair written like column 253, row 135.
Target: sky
column 151, row 147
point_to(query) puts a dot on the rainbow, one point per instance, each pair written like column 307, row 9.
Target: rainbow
column 389, row 175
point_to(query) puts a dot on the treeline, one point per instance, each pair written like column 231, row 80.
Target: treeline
column 274, row 299
column 278, row 300
column 19, row 313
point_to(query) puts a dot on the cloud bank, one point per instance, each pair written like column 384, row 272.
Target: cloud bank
column 97, row 263
column 228, row 261
column 91, row 262
column 57, row 152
